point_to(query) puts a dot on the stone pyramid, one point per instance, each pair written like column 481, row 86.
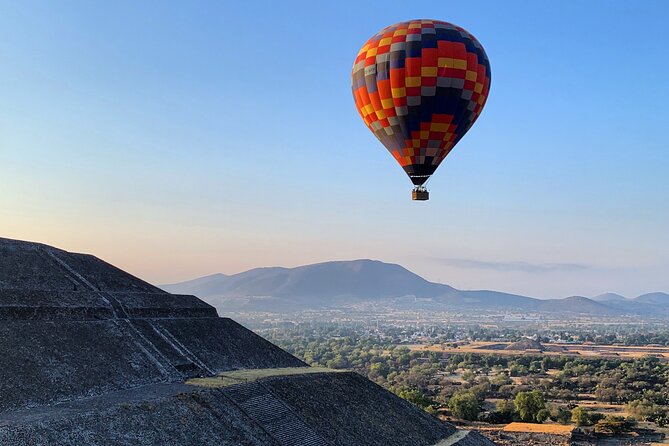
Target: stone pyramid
column 91, row 355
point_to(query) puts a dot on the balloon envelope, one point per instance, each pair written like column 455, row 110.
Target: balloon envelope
column 419, row 86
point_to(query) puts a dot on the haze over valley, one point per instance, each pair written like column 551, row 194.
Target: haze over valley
column 356, row 283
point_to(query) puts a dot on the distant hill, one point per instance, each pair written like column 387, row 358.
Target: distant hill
column 320, row 284
column 344, row 283
column 610, row 297
column 651, row 304
column 654, row 299
column 576, row 304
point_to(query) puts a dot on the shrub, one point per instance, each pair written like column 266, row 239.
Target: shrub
column 464, row 405
column 542, row 415
column 614, row 425
column 581, row 417
column 529, row 404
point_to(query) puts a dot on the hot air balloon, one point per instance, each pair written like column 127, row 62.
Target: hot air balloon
column 419, row 86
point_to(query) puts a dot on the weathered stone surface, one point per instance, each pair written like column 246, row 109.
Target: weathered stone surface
column 466, row 438
column 43, row 362
column 271, row 411
column 42, row 304
column 222, row 344
column 366, row 414
column 49, row 361
column 162, row 305
column 73, row 326
column 190, row 418
column 41, row 282
column 347, row 409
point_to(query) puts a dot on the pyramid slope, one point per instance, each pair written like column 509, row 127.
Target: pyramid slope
column 92, row 355
column 74, row 326
column 41, row 282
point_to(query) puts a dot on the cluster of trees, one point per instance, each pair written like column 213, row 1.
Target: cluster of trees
column 462, row 382
column 647, row 409
column 643, row 379
column 531, row 407
column 605, row 425
column 527, row 406
column 621, row 334
column 614, row 425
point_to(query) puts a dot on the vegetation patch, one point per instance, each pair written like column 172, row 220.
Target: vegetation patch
column 249, row 375
column 601, row 396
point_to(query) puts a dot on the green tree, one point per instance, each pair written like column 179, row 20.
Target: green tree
column 518, row 370
column 642, row 409
column 505, row 412
column 661, row 419
column 501, row 379
column 464, row 405
column 529, row 404
column 468, row 376
column 581, row 417
column 561, row 415
column 542, row 415
column 614, row 425
column 415, row 397
column 506, row 407
column 379, row 369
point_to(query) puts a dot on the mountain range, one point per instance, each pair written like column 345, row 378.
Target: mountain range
column 345, row 283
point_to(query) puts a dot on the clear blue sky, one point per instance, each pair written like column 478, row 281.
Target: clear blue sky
column 181, row 139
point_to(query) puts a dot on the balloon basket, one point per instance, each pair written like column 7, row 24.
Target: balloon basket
column 420, row 194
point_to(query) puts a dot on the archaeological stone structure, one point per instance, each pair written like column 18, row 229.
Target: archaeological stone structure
column 91, row 355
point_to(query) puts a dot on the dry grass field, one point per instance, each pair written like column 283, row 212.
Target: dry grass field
column 576, row 350
column 552, row 429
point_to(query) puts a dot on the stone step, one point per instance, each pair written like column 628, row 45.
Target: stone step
column 273, row 415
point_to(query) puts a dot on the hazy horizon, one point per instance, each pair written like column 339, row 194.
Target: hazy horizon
column 155, row 137
column 374, row 260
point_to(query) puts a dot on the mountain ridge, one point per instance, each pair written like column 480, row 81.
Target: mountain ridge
column 609, row 297
column 347, row 282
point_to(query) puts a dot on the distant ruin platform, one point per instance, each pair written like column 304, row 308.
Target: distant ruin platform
column 90, row 354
